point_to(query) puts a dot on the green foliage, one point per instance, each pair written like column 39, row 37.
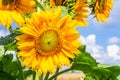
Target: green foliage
column 27, row 73
column 82, row 48
column 94, row 71
column 85, row 57
column 100, row 73
column 115, row 72
column 11, row 46
column 85, row 67
column 7, row 59
column 1, row 66
column 1, row 52
column 9, row 41
column 64, row 11
column 89, row 78
column 6, row 76
column 8, row 68
column 69, row 6
column 8, row 65
column 39, row 5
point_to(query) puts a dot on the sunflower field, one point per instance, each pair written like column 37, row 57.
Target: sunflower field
column 45, row 43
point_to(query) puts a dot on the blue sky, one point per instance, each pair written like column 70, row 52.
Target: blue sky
column 102, row 39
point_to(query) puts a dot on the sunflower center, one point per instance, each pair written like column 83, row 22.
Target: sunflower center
column 6, row 2
column 59, row 2
column 10, row 4
column 48, row 42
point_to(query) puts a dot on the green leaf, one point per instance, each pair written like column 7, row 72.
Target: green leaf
column 7, row 59
column 11, row 68
column 82, row 48
column 115, row 72
column 88, row 77
column 86, row 63
column 86, row 58
column 8, row 65
column 101, row 73
column 92, row 72
column 8, row 39
column 6, row 76
column 103, row 65
column 85, row 67
column 11, row 46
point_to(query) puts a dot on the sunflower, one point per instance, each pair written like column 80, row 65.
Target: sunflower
column 57, row 2
column 48, row 42
column 81, row 11
column 14, row 10
column 102, row 9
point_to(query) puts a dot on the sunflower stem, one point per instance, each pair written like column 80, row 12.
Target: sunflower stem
column 39, row 5
column 57, row 70
column 41, row 77
column 54, row 76
column 47, row 75
column 34, row 75
column 21, row 75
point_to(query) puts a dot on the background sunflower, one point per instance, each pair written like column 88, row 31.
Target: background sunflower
column 81, row 11
column 14, row 10
column 102, row 9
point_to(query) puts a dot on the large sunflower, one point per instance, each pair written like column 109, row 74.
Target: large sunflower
column 102, row 9
column 14, row 10
column 81, row 11
column 48, row 41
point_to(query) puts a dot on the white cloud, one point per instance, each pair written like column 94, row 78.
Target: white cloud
column 108, row 55
column 90, row 39
column 113, row 40
column 92, row 47
column 114, row 51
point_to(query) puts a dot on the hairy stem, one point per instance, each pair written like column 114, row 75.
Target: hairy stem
column 47, row 75
column 57, row 70
column 21, row 75
column 54, row 76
